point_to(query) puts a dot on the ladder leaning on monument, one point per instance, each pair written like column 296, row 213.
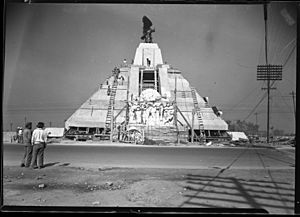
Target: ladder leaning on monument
column 111, row 105
column 197, row 108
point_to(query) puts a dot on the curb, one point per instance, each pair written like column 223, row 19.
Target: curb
column 146, row 146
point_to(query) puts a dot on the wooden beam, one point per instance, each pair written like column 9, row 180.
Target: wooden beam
column 184, row 117
column 114, row 118
column 186, row 121
column 175, row 112
column 193, row 115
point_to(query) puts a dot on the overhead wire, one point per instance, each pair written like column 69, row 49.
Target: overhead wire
column 47, row 106
column 282, row 98
column 289, row 56
column 253, row 110
column 286, row 46
column 275, row 34
column 259, row 102
column 277, row 55
column 278, row 109
column 236, row 105
column 252, row 91
column 274, row 56
column 263, row 97
column 277, row 43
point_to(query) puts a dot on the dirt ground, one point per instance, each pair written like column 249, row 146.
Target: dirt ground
column 63, row 185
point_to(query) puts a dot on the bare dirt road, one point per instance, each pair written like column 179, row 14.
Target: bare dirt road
column 63, row 185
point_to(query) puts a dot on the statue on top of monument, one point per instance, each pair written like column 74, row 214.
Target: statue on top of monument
column 147, row 30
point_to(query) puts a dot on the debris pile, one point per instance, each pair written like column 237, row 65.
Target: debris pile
column 106, row 186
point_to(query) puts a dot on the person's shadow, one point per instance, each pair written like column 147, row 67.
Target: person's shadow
column 50, row 164
column 64, row 165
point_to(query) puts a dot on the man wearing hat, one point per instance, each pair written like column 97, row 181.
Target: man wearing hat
column 27, row 148
column 38, row 141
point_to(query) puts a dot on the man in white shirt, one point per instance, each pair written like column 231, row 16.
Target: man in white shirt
column 38, row 141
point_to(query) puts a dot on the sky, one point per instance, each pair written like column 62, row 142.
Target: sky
column 56, row 55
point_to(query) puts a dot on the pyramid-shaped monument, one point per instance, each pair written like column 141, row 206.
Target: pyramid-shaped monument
column 148, row 97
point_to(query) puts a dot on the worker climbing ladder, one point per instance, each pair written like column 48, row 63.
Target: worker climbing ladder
column 197, row 109
column 111, row 105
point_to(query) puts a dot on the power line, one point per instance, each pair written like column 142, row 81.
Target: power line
column 258, row 102
column 288, row 44
column 236, row 105
column 271, row 85
column 253, row 110
column 284, row 100
column 289, row 56
column 275, row 44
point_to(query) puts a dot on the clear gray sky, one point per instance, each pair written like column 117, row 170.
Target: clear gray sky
column 56, row 55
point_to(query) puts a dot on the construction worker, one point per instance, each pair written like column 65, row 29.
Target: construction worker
column 108, row 90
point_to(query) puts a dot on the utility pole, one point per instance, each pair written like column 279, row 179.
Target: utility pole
column 256, row 121
column 268, row 81
column 268, row 72
column 255, row 117
column 294, row 105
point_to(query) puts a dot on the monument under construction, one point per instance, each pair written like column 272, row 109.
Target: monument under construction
column 151, row 99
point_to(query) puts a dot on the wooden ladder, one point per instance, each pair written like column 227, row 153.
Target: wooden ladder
column 197, row 108
column 111, row 105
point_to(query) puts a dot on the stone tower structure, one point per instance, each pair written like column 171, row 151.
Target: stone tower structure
column 151, row 97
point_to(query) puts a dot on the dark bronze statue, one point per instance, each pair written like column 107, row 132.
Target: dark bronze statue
column 147, row 30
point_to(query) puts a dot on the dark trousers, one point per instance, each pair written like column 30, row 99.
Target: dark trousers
column 38, row 155
column 27, row 156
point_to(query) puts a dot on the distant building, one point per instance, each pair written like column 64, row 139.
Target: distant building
column 236, row 136
column 55, row 132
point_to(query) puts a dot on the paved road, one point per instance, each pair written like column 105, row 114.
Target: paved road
column 156, row 157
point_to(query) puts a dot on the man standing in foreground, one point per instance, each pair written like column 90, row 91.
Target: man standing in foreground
column 38, row 141
column 28, row 147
